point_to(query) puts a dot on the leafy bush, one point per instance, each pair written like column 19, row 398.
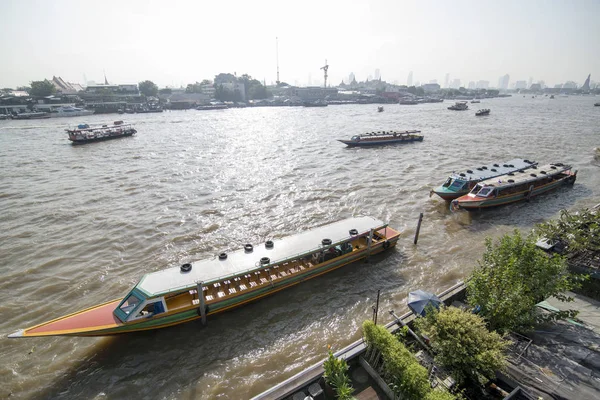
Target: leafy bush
column 407, row 376
column 512, row 277
column 336, row 375
column 580, row 231
column 462, row 343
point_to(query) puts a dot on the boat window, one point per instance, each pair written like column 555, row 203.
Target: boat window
column 130, row 304
column 485, row 192
column 150, row 309
column 476, row 189
column 457, row 184
column 447, row 183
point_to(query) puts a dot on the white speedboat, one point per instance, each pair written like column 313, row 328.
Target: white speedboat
column 70, row 111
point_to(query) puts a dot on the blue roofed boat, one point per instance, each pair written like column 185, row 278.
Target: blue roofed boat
column 459, row 184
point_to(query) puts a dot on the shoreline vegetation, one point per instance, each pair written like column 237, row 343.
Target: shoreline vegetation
column 468, row 345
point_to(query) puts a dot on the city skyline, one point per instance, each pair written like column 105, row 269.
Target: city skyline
column 553, row 42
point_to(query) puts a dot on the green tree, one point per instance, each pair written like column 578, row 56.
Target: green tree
column 462, row 343
column 206, row 82
column 579, row 231
column 165, row 91
column 193, row 88
column 42, row 88
column 512, row 277
column 148, row 88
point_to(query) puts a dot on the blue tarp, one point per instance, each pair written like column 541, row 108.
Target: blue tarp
column 419, row 300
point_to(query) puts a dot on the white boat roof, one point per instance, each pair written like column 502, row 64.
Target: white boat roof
column 529, row 175
column 493, row 170
column 239, row 261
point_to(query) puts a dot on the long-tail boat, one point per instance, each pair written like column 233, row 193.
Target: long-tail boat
column 204, row 288
column 383, row 137
column 460, row 183
column 515, row 187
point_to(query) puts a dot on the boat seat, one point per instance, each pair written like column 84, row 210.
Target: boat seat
column 195, row 302
column 243, row 287
column 193, row 292
column 264, row 280
column 216, row 285
column 252, row 284
column 274, row 276
column 209, row 297
column 232, row 290
column 283, row 273
column 220, row 294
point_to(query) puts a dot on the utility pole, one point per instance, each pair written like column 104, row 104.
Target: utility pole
column 325, row 68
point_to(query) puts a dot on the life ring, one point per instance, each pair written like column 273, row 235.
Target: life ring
column 386, row 244
column 353, row 232
column 265, row 261
column 222, row 256
column 248, row 247
column 326, row 242
column 186, row 267
column 269, row 244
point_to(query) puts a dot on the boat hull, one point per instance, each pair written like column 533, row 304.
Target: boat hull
column 102, row 138
column 101, row 321
column 473, row 203
column 365, row 143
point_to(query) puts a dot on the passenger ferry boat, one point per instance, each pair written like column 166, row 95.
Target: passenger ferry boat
column 459, row 106
column 459, row 184
column 204, row 288
column 383, row 137
column 516, row 187
column 86, row 134
column 485, row 111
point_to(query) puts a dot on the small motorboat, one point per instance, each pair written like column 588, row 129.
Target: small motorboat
column 475, row 101
column 459, row 106
column 485, row 111
column 380, row 109
column 597, row 104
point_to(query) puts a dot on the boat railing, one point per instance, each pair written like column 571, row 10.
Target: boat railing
column 273, row 263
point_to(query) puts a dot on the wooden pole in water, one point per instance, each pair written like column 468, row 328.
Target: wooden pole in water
column 202, row 305
column 377, row 306
column 418, row 227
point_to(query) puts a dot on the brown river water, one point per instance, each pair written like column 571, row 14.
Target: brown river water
column 80, row 225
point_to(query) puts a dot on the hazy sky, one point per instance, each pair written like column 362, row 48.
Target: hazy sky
column 178, row 42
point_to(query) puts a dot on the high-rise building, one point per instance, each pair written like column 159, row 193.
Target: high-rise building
column 503, row 82
column 482, row 84
column 471, row 85
column 447, row 80
column 520, row 85
column 530, row 81
column 409, row 81
column 455, row 84
column 377, row 74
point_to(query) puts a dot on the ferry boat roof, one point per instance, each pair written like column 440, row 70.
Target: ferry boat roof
column 239, row 261
column 381, row 133
column 493, row 170
column 530, row 175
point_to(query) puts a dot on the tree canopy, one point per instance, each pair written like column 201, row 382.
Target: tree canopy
column 42, row 88
column 512, row 277
column 462, row 343
column 148, row 88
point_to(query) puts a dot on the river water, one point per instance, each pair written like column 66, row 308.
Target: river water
column 80, row 225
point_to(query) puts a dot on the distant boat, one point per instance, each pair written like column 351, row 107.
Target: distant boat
column 552, row 96
column 383, row 137
column 597, row 104
column 459, row 106
column 475, row 101
column 31, row 115
column 318, row 103
column 380, row 109
column 408, row 102
column 69, row 111
column 485, row 111
column 86, row 134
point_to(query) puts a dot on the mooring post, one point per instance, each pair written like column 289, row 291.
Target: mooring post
column 369, row 240
column 377, row 307
column 202, row 305
column 418, row 227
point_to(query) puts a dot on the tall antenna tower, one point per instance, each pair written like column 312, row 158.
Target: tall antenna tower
column 277, row 55
column 325, row 68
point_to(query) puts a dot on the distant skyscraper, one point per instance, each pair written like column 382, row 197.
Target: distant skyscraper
column 503, row 82
column 410, row 78
column 377, row 74
column 447, row 80
column 433, row 81
column 471, row 85
column 530, row 81
column 455, row 84
column 520, row 85
column 482, row 84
